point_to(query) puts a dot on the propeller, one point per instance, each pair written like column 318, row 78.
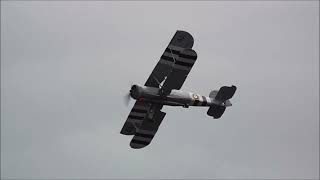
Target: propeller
column 127, row 96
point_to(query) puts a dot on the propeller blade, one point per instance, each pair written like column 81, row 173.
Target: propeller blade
column 127, row 98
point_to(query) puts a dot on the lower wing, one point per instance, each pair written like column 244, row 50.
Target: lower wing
column 143, row 122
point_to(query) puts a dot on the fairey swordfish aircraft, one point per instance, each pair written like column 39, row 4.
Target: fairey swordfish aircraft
column 162, row 88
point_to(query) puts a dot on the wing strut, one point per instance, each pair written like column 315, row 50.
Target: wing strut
column 171, row 69
column 157, row 81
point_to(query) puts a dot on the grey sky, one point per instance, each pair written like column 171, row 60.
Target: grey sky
column 66, row 65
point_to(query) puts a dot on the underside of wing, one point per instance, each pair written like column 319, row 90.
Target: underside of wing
column 180, row 41
column 143, row 122
column 147, row 130
column 182, row 65
column 170, row 73
column 136, row 116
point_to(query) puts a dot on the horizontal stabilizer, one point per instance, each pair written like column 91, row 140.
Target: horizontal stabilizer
column 225, row 93
column 216, row 111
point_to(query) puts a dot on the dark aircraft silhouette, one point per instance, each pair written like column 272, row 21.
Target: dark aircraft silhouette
column 162, row 88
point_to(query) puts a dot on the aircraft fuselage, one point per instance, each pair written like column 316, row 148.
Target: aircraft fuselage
column 175, row 98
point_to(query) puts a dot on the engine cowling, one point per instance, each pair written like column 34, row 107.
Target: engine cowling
column 136, row 92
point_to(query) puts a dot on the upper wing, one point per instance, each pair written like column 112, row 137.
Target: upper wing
column 173, row 67
column 180, row 70
column 180, row 41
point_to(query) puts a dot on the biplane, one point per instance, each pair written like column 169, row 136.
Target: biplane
column 163, row 88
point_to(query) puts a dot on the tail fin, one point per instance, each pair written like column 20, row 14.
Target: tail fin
column 223, row 95
column 213, row 94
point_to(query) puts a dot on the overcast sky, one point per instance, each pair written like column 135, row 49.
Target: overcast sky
column 65, row 67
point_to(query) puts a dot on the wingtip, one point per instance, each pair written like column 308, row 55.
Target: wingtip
column 183, row 39
column 234, row 88
column 128, row 129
